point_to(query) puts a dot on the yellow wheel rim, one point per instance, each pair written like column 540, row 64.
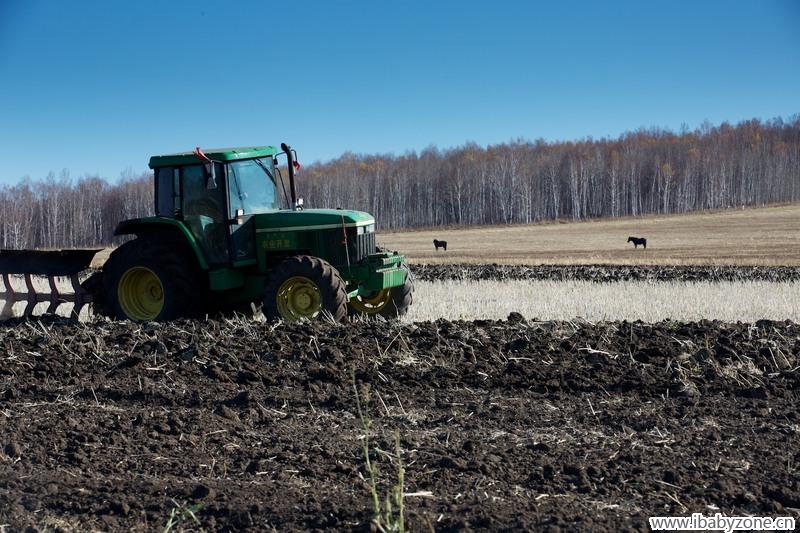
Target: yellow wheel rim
column 140, row 294
column 299, row 297
column 372, row 304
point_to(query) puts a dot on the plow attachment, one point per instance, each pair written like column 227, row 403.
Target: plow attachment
column 51, row 264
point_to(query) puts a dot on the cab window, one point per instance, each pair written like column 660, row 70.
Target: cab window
column 252, row 187
column 167, row 191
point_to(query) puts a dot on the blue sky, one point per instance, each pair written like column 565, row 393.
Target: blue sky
column 96, row 87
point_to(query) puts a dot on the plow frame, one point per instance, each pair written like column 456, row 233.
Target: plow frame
column 50, row 264
column 79, row 296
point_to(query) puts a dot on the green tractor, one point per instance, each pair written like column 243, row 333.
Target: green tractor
column 227, row 233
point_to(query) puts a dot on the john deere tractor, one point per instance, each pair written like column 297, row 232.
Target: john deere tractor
column 227, row 233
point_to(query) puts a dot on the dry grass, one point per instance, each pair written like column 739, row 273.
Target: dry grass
column 762, row 236
column 565, row 300
column 626, row 300
column 101, row 257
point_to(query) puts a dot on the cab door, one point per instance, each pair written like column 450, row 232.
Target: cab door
column 241, row 193
column 243, row 241
column 204, row 213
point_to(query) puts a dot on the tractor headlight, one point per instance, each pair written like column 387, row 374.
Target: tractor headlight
column 365, row 229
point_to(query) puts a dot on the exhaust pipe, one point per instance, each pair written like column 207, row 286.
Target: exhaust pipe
column 291, row 163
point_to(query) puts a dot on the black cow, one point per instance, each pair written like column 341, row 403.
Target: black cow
column 440, row 244
column 637, row 241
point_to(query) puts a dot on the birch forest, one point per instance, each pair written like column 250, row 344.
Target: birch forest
column 651, row 171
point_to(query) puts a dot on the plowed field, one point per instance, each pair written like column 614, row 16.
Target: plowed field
column 503, row 425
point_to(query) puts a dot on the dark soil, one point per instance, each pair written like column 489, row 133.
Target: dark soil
column 606, row 273
column 503, row 425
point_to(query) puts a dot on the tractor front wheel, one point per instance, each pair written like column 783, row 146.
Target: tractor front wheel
column 389, row 303
column 305, row 287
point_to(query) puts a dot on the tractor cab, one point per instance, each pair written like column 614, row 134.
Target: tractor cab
column 216, row 194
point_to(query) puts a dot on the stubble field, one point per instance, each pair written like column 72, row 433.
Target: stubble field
column 762, row 236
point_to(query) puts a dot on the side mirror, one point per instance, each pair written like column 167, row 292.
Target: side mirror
column 211, row 176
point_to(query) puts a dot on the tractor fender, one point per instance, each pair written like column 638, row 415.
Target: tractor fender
column 162, row 228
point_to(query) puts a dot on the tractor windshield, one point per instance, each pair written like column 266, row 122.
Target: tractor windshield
column 252, row 186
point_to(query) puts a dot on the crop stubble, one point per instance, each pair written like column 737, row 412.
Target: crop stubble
column 604, row 292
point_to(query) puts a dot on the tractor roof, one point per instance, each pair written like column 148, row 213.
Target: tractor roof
column 217, row 154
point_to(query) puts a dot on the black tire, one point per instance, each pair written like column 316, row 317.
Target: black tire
column 403, row 296
column 329, row 285
column 183, row 285
column 400, row 299
column 94, row 286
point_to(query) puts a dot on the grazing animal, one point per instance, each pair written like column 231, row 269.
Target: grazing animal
column 637, row 241
column 440, row 244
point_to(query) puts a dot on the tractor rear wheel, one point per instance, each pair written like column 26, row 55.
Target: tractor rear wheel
column 94, row 286
column 303, row 286
column 146, row 280
column 389, row 303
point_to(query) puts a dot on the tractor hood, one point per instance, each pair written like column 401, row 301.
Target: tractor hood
column 312, row 219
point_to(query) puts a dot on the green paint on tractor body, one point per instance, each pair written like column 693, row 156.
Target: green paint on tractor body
column 230, row 211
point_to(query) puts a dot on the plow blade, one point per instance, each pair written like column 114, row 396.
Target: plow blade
column 50, row 264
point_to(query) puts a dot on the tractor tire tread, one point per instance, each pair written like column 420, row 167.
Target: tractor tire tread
column 402, row 297
column 327, row 278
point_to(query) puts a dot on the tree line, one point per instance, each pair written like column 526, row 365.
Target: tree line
column 63, row 213
column 643, row 172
